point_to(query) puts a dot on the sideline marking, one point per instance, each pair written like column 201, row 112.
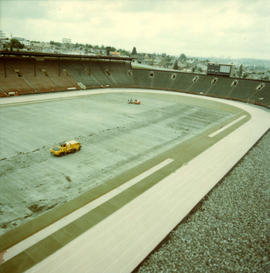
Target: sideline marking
column 227, row 126
column 40, row 235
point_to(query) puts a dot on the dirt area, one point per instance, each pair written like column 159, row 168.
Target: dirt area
column 115, row 137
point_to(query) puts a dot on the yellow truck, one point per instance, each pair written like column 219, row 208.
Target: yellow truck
column 66, row 148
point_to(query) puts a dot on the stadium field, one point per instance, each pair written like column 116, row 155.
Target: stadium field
column 146, row 144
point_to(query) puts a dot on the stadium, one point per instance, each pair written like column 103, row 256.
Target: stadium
column 183, row 176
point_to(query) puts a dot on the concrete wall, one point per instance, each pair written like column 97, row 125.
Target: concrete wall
column 32, row 75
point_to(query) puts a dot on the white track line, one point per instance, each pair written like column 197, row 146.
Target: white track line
column 29, row 241
column 225, row 127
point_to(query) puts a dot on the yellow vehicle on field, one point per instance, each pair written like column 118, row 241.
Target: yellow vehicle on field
column 66, row 148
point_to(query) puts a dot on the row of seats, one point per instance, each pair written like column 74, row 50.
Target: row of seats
column 95, row 73
column 27, row 75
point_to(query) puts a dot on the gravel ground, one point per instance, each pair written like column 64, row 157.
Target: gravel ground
column 229, row 230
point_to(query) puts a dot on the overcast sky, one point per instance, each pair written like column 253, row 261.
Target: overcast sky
column 235, row 28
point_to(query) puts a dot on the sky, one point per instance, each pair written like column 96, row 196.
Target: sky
column 203, row 28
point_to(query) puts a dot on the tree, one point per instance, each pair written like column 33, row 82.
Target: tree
column 182, row 58
column 175, row 65
column 244, row 75
column 108, row 50
column 14, row 43
column 240, row 73
column 57, row 44
column 134, row 51
column 88, row 46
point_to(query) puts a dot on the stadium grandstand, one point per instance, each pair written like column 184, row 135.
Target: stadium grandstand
column 30, row 73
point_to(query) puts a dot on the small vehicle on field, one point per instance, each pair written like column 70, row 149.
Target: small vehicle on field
column 131, row 101
column 66, row 148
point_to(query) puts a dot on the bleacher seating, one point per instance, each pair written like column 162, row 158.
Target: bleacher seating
column 120, row 73
column 12, row 80
column 262, row 94
column 183, row 82
column 141, row 78
column 222, row 88
column 200, row 84
column 80, row 72
column 244, row 90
